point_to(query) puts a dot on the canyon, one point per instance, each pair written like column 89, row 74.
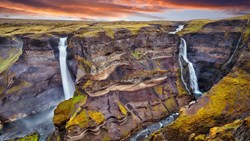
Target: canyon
column 129, row 78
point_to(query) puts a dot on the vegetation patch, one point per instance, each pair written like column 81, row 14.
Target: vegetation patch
column 136, row 54
column 122, row 108
column 67, row 108
column 110, row 27
column 84, row 64
column 17, row 87
column 86, row 118
column 193, row 26
column 33, row 137
column 13, row 56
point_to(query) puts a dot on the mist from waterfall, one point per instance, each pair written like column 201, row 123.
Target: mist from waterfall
column 68, row 84
column 192, row 76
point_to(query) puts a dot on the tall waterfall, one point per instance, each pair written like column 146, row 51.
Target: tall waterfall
column 68, row 84
column 192, row 76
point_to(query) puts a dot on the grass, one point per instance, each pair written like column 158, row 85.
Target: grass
column 194, row 26
column 247, row 16
column 38, row 28
column 109, row 28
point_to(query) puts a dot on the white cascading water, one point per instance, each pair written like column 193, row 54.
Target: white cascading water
column 192, row 76
column 68, row 84
column 236, row 49
column 180, row 27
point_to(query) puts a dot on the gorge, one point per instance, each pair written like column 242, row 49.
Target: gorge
column 124, row 80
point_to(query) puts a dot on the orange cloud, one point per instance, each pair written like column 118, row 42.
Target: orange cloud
column 94, row 9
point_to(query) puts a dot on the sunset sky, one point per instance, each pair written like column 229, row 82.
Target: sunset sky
column 133, row 10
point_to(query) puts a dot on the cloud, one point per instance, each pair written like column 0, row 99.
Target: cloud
column 96, row 9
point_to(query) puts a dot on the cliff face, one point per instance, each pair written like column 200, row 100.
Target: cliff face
column 126, row 77
column 225, row 102
column 32, row 84
column 210, row 49
column 126, row 81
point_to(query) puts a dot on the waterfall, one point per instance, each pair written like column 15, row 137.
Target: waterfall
column 68, row 84
column 180, row 27
column 192, row 76
column 236, row 48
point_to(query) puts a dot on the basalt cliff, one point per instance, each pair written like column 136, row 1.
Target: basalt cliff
column 127, row 76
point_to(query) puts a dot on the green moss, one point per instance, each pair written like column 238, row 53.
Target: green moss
column 159, row 89
column 170, row 102
column 13, row 54
column 244, row 17
column 109, row 28
column 98, row 117
column 67, row 108
column 33, row 137
column 86, row 118
column 136, row 54
column 200, row 137
column 17, row 87
column 156, row 136
column 227, row 131
column 229, row 94
column 87, row 84
column 83, row 63
column 37, row 28
column 81, row 119
column 193, row 26
column 122, row 108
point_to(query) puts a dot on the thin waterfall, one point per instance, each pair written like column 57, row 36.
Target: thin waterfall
column 236, row 49
column 192, row 76
column 68, row 84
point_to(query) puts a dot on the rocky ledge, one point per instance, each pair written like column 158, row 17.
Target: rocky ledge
column 225, row 102
column 123, row 84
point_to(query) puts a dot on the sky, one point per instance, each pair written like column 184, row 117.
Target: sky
column 130, row 10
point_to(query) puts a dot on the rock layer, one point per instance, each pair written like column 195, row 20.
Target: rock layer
column 129, row 81
column 32, row 84
column 225, row 102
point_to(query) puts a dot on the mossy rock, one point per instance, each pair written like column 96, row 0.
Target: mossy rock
column 32, row 137
column 122, row 108
column 66, row 109
column 217, row 106
column 13, row 54
column 86, row 118
column 194, row 26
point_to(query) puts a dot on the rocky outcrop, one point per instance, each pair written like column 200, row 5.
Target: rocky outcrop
column 211, row 48
column 237, row 130
column 123, row 84
column 225, row 102
column 32, row 84
column 126, row 79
